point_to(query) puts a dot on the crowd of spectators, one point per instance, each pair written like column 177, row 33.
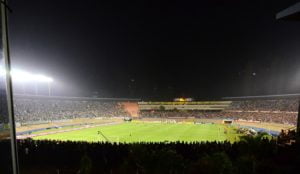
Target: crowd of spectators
column 282, row 118
column 283, row 111
column 172, row 113
column 290, row 104
column 3, row 107
column 287, row 136
column 245, row 156
column 29, row 110
column 250, row 155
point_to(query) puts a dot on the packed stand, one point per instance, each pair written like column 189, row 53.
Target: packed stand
column 30, row 110
column 283, row 111
column 3, row 107
column 290, row 105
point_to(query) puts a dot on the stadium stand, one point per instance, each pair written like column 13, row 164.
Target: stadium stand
column 283, row 111
column 266, row 105
column 245, row 156
column 35, row 108
column 3, row 106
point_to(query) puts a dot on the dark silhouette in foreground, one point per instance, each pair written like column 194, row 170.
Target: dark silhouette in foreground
column 250, row 155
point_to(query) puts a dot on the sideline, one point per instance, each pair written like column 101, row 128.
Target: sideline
column 66, row 130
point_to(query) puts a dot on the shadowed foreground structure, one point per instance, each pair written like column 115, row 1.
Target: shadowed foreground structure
column 251, row 155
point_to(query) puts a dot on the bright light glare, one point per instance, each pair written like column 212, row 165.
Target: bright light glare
column 42, row 78
column 23, row 76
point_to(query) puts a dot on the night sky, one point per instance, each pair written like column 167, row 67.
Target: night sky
column 158, row 50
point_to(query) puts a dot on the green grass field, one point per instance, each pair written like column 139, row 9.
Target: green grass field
column 149, row 132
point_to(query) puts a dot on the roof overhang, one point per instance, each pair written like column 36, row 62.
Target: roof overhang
column 265, row 97
column 290, row 13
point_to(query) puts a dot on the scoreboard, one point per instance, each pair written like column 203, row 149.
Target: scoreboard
column 183, row 99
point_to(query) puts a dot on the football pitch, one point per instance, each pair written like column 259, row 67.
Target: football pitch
column 149, row 132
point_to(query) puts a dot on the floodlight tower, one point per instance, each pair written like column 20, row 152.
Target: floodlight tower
column 49, row 88
column 44, row 79
column 49, row 81
column 8, row 83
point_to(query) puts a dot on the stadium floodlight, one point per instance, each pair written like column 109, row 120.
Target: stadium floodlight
column 23, row 76
column 2, row 71
column 20, row 76
column 42, row 78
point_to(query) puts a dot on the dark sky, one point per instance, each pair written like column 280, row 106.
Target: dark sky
column 158, row 50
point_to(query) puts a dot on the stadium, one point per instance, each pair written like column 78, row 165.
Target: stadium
column 131, row 120
column 90, row 116
column 117, row 135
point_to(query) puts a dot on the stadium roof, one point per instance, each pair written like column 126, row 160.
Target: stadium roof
column 290, row 13
column 263, row 97
column 73, row 98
